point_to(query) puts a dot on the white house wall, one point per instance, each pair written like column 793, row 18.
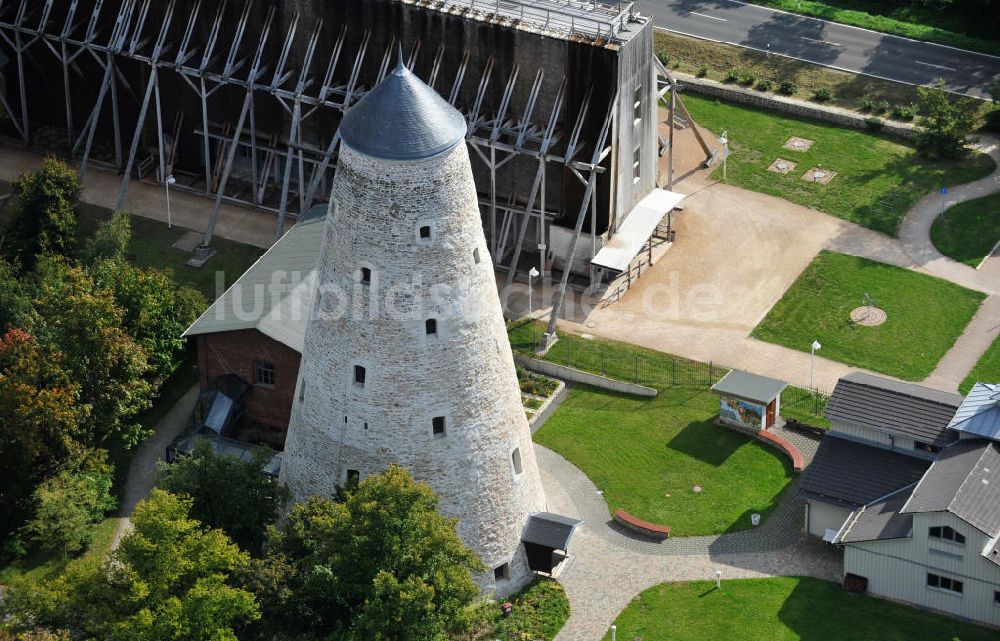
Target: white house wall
column 889, row 441
column 822, row 516
column 897, row 569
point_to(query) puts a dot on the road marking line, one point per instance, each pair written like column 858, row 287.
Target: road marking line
column 832, row 44
column 927, row 64
column 878, row 33
column 695, row 13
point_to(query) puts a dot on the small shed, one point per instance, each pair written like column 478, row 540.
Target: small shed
column 546, row 538
column 749, row 401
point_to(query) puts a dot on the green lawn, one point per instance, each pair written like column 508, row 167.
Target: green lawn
column 925, row 315
column 49, row 565
column 968, row 231
column 987, row 370
column 878, row 178
column 928, row 21
column 647, row 455
column 152, row 246
column 780, row 609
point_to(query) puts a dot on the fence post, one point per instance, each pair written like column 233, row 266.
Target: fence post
column 673, row 371
column 711, row 373
column 636, row 378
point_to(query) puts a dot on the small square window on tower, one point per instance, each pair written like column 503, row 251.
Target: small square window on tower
column 437, row 425
column 353, row 478
column 425, row 232
column 431, row 326
column 475, row 255
column 366, row 276
column 359, row 375
column 515, row 458
column 501, row 572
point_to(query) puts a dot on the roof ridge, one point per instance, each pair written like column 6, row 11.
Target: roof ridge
column 899, row 393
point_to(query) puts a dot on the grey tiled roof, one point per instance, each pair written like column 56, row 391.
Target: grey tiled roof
column 402, row 119
column 964, row 480
column 980, row 412
column 852, row 474
column 550, row 530
column 880, row 520
column 882, row 404
column 751, row 387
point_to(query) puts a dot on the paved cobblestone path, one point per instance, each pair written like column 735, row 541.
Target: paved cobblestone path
column 610, row 566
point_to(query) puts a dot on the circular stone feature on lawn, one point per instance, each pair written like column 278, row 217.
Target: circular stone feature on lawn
column 868, row 316
column 781, row 166
column 819, row 175
column 799, row 144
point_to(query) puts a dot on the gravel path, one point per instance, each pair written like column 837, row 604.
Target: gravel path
column 142, row 472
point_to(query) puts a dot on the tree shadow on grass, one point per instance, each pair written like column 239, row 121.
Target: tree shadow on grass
column 707, row 442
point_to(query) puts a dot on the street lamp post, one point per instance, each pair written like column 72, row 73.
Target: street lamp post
column 724, row 141
column 169, row 181
column 812, row 363
column 614, row 632
column 532, row 274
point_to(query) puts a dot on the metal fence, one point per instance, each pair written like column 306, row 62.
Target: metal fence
column 652, row 369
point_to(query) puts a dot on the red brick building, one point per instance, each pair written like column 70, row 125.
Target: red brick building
column 255, row 330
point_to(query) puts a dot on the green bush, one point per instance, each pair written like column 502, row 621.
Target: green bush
column 787, row 88
column 904, row 112
column 764, row 84
column 702, row 72
column 733, row 75
column 992, row 122
column 747, row 77
column 882, row 106
column 71, row 502
column 867, row 103
column 822, row 95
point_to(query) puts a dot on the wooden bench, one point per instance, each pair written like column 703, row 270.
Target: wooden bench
column 642, row 527
column 785, row 446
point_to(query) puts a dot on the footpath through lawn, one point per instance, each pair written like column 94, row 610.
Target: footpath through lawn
column 878, row 178
column 925, row 315
column 781, row 609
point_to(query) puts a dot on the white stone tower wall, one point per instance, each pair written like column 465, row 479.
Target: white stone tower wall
column 465, row 373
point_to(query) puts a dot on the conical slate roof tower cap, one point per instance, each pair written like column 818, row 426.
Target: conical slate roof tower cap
column 402, row 118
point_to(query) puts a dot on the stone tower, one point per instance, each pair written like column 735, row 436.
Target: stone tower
column 406, row 356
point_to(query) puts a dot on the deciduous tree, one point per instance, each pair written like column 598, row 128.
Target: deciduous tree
column 69, row 503
column 40, row 425
column 382, row 564
column 944, row 124
column 83, row 322
column 168, row 581
column 46, row 214
column 227, row 493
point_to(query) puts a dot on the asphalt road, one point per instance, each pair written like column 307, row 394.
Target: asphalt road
column 826, row 43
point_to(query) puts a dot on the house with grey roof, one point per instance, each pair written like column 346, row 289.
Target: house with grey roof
column 884, row 436
column 255, row 330
column 933, row 542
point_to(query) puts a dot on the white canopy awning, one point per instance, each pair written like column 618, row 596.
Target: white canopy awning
column 640, row 224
